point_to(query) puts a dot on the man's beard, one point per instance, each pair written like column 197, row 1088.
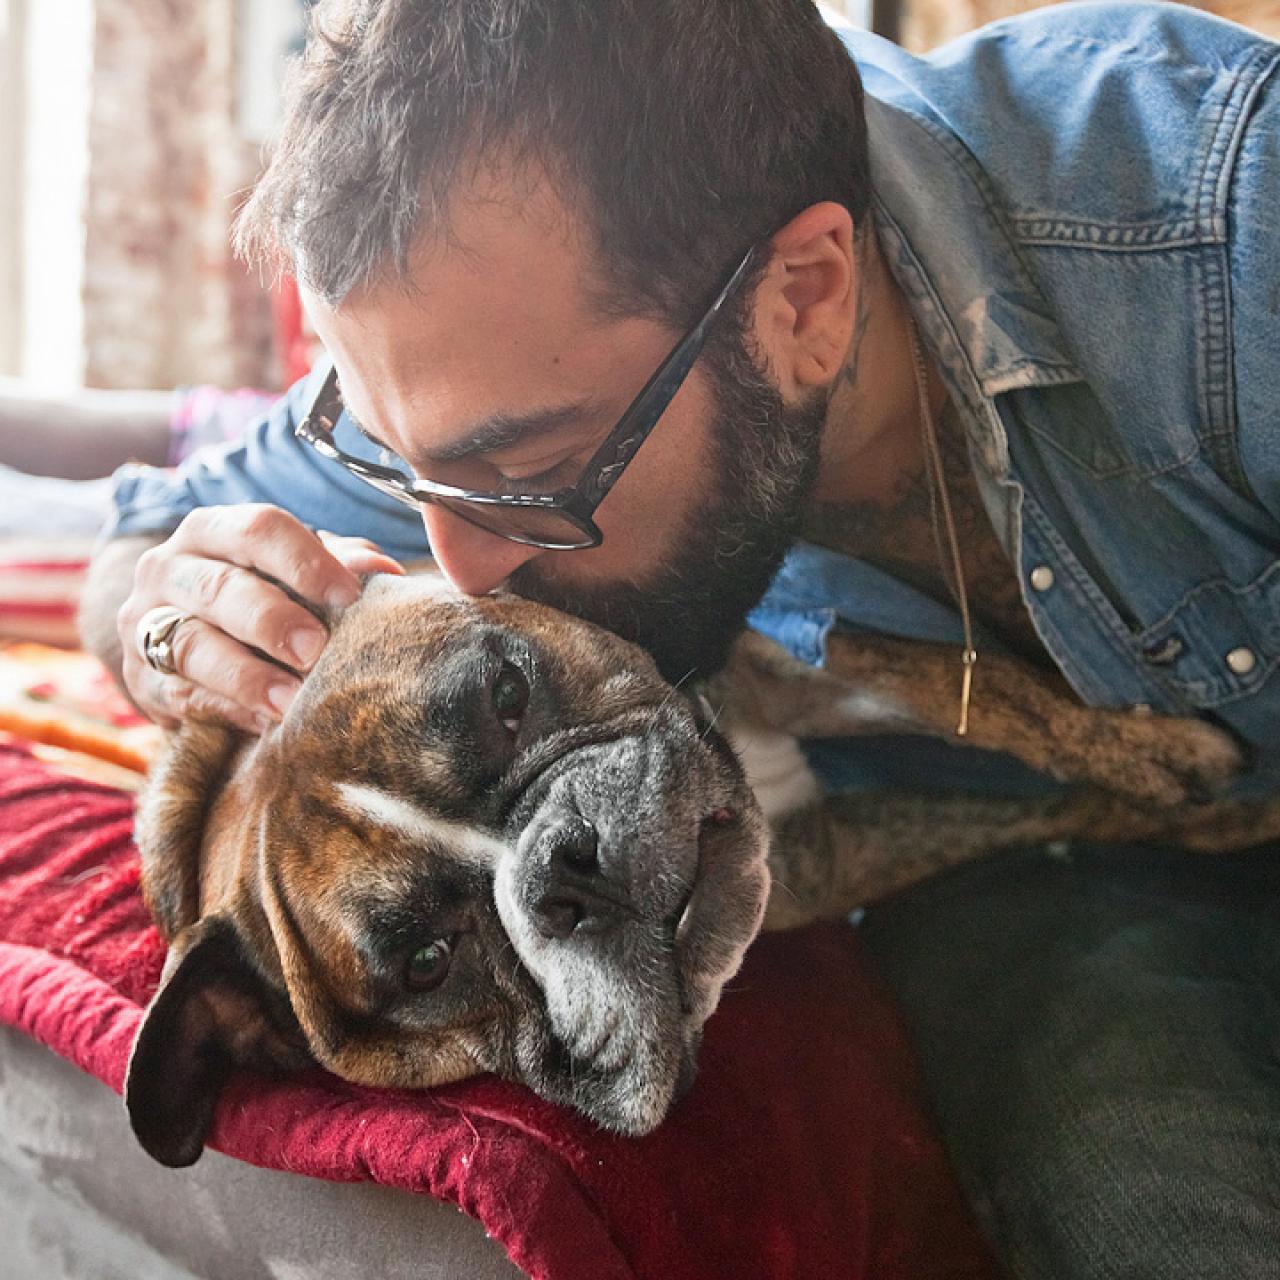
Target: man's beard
column 764, row 462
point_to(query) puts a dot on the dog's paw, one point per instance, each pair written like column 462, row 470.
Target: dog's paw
column 1168, row 761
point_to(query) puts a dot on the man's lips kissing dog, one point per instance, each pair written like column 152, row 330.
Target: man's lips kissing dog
column 486, row 837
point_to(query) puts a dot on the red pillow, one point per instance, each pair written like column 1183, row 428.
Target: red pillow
column 802, row 1149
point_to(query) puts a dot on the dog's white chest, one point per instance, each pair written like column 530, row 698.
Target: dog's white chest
column 776, row 769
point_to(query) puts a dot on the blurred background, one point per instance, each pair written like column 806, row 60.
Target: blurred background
column 128, row 130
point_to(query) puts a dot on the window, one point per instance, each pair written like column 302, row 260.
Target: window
column 45, row 52
column 10, row 183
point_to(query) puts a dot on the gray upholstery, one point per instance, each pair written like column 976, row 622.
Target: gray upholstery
column 79, row 1200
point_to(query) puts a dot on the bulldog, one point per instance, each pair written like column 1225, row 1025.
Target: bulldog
column 485, row 838
column 489, row 837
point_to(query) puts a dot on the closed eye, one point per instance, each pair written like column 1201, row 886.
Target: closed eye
column 561, row 476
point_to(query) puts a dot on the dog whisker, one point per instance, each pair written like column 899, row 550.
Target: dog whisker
column 711, row 724
column 777, row 883
column 670, row 694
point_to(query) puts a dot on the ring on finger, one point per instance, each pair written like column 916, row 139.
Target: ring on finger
column 155, row 634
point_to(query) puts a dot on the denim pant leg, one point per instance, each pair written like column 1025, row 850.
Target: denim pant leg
column 1100, row 1034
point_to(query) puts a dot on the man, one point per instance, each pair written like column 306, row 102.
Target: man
column 988, row 357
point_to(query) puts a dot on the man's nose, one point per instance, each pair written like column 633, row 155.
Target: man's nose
column 473, row 559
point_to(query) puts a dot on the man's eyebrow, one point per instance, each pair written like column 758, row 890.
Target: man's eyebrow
column 501, row 430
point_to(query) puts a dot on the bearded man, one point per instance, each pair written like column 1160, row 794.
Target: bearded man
column 675, row 312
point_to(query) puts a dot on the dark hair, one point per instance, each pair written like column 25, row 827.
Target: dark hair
column 683, row 130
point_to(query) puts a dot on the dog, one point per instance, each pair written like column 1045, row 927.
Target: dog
column 485, row 837
column 489, row 837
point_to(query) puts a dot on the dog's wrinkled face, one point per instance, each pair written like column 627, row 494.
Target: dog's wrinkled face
column 487, row 837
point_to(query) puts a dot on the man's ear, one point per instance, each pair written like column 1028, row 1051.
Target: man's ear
column 213, row 1013
column 807, row 301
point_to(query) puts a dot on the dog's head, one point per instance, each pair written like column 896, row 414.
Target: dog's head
column 486, row 837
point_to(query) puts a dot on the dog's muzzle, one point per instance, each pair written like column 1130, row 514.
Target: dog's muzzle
column 634, row 882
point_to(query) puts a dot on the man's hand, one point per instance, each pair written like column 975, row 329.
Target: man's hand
column 214, row 568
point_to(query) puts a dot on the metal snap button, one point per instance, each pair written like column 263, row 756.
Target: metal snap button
column 1041, row 577
column 1242, row 661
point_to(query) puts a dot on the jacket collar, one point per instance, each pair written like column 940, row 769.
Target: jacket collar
column 946, row 240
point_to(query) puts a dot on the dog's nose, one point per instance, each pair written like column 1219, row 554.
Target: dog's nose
column 573, row 846
column 568, row 899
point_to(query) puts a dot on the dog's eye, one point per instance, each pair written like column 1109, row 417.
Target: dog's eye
column 510, row 696
column 429, row 966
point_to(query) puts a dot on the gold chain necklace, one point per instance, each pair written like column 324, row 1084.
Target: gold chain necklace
column 940, row 500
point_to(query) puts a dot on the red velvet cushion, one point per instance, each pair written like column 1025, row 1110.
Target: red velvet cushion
column 801, row 1151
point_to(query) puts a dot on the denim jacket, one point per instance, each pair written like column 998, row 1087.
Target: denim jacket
column 1083, row 208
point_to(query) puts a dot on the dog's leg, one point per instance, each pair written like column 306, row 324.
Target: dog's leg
column 1227, row 826
column 848, row 851
column 874, row 684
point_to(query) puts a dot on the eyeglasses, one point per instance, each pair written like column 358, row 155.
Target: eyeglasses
column 559, row 521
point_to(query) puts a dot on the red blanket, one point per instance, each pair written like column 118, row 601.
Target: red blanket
column 801, row 1151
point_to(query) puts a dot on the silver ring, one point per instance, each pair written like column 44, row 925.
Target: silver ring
column 155, row 637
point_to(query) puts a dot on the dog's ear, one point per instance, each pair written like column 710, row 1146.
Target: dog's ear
column 214, row 1012
column 172, row 814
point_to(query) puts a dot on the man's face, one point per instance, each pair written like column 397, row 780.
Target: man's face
column 496, row 370
column 762, row 457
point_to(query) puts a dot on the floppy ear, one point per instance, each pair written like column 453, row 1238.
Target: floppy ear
column 213, row 1013
column 172, row 813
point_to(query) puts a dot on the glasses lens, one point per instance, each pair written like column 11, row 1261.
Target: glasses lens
column 534, row 526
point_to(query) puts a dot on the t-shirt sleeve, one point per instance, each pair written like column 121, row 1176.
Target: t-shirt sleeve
column 269, row 464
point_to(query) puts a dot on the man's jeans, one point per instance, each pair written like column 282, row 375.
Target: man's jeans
column 1100, row 1033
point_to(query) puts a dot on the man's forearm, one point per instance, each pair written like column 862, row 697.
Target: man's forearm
column 108, row 585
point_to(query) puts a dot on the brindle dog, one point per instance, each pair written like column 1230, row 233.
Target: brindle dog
column 489, row 837
column 486, row 837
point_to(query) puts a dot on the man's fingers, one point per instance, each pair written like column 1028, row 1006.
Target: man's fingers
column 359, row 555
column 269, row 541
column 245, row 607
column 214, row 676
column 169, row 699
column 219, row 667
column 239, row 573
column 184, row 699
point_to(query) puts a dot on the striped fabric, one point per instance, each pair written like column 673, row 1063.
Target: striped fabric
column 40, row 584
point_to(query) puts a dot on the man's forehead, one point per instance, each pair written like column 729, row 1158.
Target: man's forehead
column 506, row 235
column 485, row 348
